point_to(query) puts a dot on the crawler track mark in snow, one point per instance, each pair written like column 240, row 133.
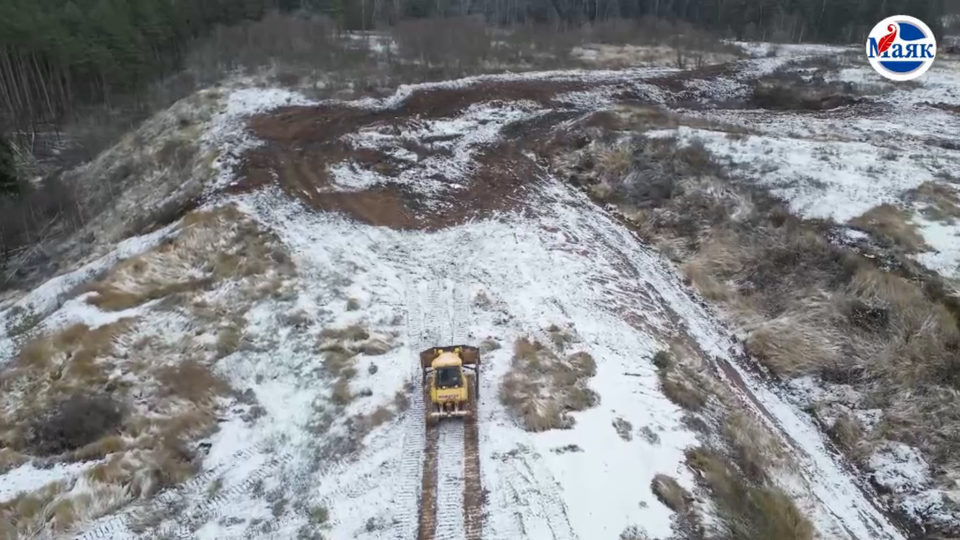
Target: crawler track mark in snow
column 472, row 487
column 450, row 481
column 428, row 491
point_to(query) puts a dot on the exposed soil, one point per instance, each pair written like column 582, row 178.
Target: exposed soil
column 303, row 142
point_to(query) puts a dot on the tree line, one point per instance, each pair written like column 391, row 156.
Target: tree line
column 54, row 53
column 58, row 55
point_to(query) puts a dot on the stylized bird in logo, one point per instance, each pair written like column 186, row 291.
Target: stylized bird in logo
column 887, row 41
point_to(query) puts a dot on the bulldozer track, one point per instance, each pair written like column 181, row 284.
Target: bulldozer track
column 451, row 501
column 472, row 487
column 119, row 525
column 428, row 486
column 441, row 465
column 449, row 487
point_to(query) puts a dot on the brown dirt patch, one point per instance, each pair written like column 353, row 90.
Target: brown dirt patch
column 303, row 142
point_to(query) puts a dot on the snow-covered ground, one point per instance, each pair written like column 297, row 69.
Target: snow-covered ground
column 840, row 163
column 565, row 262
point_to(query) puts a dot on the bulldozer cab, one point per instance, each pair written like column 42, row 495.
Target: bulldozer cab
column 447, row 376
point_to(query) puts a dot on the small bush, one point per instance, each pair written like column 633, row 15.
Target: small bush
column 318, row 515
column 74, row 423
column 624, row 428
column 670, row 493
column 662, row 360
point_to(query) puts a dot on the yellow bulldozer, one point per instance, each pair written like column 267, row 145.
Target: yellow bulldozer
column 451, row 380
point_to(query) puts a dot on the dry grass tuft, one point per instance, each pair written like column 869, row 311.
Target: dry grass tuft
column 613, row 164
column 209, row 247
column 378, row 417
column 353, row 332
column 679, row 382
column 683, row 394
column 541, row 389
column 893, row 224
column 336, row 361
column 341, row 394
column 10, row 459
column 670, row 493
column 747, row 510
column 755, row 450
column 791, row 349
column 192, row 381
column 401, row 401
column 28, row 512
column 488, row 345
column 941, row 202
column 847, row 434
column 228, row 340
column 560, row 337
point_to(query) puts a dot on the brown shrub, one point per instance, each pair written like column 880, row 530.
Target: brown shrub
column 847, row 434
column 754, row 449
column 112, row 298
column 353, row 332
column 683, row 394
column 228, row 340
column 103, row 447
column 747, row 511
column 941, row 202
column 540, row 389
column 670, row 493
column 192, row 381
column 73, row 423
column 341, row 394
column 893, row 224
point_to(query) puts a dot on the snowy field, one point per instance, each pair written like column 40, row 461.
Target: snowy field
column 512, row 275
column 841, row 163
